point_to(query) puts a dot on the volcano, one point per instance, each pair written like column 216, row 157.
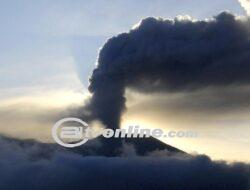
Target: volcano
column 100, row 146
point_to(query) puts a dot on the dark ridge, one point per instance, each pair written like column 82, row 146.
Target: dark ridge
column 99, row 146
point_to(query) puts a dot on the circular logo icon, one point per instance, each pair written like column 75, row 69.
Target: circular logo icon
column 70, row 132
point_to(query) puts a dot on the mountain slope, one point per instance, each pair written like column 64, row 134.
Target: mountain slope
column 97, row 147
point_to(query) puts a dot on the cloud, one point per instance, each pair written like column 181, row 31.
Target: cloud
column 208, row 101
column 65, row 170
column 246, row 5
column 33, row 116
column 169, row 56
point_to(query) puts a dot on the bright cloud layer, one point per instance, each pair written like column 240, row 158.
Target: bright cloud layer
column 246, row 5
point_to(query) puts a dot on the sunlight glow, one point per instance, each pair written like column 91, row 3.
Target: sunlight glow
column 246, row 5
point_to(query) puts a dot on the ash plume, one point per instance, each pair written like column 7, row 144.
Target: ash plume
column 169, row 56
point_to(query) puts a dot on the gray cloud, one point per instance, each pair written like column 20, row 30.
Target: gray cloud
column 207, row 101
column 170, row 56
column 65, row 170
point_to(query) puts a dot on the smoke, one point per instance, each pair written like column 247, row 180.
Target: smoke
column 22, row 168
column 169, row 56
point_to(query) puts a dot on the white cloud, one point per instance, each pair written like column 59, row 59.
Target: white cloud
column 246, row 5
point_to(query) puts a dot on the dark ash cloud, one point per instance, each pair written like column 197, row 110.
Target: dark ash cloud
column 65, row 170
column 169, row 56
column 207, row 101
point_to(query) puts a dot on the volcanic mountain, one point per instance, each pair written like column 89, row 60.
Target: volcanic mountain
column 111, row 147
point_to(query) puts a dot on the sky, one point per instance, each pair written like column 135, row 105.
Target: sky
column 48, row 50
